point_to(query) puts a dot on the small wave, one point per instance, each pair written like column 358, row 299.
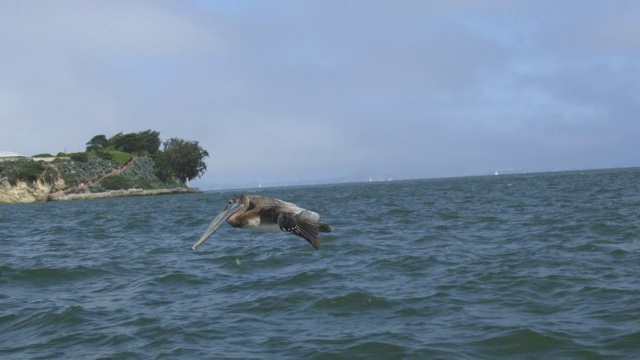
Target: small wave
column 44, row 321
column 619, row 252
column 178, row 278
column 588, row 247
column 521, row 341
column 357, row 300
column 51, row 274
column 270, row 303
column 121, row 355
column 303, row 278
column 369, row 349
column 137, row 224
column 606, row 227
column 621, row 344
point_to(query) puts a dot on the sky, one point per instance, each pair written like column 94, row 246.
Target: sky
column 328, row 90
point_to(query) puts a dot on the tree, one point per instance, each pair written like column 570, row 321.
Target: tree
column 148, row 141
column 144, row 142
column 123, row 142
column 97, row 142
column 181, row 158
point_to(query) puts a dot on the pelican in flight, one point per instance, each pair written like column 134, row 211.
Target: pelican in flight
column 265, row 213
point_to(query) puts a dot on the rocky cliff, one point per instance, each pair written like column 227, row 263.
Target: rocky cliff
column 23, row 192
column 90, row 179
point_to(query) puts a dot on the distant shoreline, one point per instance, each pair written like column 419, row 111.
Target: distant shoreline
column 121, row 193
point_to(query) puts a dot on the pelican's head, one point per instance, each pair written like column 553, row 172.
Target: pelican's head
column 233, row 205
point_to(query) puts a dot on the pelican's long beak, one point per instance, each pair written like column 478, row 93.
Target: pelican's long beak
column 228, row 210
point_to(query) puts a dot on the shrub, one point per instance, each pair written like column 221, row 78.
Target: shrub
column 81, row 157
column 103, row 155
column 28, row 171
column 115, row 182
column 51, row 174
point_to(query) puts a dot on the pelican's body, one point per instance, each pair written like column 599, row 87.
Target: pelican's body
column 265, row 213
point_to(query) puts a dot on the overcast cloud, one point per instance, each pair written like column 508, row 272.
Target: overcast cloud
column 284, row 90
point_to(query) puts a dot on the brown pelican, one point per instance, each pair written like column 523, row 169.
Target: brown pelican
column 265, row 213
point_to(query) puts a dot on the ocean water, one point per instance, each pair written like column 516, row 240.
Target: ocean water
column 512, row 266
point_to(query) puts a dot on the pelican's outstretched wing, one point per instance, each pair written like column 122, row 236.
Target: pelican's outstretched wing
column 304, row 224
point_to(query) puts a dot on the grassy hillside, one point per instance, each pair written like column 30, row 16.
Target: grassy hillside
column 89, row 172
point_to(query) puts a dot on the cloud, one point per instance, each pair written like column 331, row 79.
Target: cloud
column 68, row 67
column 322, row 90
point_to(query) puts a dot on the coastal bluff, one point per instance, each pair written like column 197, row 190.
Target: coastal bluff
column 94, row 178
column 37, row 192
column 23, row 192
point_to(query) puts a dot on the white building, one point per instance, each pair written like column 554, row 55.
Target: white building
column 11, row 156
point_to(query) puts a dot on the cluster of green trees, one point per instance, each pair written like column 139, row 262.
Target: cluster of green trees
column 180, row 158
column 140, row 143
column 172, row 159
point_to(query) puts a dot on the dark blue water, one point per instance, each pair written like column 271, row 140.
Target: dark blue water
column 518, row 266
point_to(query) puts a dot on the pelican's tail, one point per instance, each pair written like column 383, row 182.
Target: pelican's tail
column 322, row 227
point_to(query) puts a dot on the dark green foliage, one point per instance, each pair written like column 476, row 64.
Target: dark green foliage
column 45, row 155
column 115, row 182
column 148, row 142
column 80, row 156
column 51, row 174
column 144, row 142
column 104, row 155
column 61, row 154
column 28, row 171
column 123, row 142
column 182, row 159
column 97, row 142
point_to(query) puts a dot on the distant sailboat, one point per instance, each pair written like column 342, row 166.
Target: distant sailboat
column 495, row 173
